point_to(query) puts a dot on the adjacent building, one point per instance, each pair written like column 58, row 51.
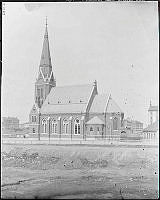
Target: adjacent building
column 70, row 112
column 153, row 114
column 152, row 130
column 10, row 123
column 133, row 126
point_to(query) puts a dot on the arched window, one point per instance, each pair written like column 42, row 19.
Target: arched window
column 44, row 123
column 54, row 126
column 33, row 130
column 77, row 126
column 91, row 128
column 41, row 93
column 38, row 92
column 65, row 126
column 115, row 123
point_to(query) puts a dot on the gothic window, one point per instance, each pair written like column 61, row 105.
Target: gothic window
column 54, row 126
column 65, row 125
column 91, row 128
column 34, row 118
column 44, row 123
column 115, row 123
column 77, row 126
column 38, row 92
column 41, row 93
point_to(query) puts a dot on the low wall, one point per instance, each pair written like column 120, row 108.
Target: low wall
column 77, row 142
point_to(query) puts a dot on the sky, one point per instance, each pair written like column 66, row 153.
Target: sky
column 115, row 43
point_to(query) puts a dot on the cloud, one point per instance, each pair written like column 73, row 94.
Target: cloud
column 34, row 6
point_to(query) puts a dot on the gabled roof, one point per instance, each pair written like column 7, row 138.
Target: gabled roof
column 153, row 108
column 152, row 128
column 34, row 109
column 67, row 99
column 95, row 121
column 101, row 102
column 113, row 107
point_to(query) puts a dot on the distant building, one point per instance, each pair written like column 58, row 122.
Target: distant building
column 152, row 131
column 153, row 114
column 10, row 123
column 133, row 126
column 24, row 125
column 137, row 126
column 127, row 123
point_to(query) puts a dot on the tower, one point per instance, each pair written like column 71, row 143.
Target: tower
column 45, row 80
column 153, row 113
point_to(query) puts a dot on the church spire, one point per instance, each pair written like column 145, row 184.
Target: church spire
column 45, row 57
column 45, row 80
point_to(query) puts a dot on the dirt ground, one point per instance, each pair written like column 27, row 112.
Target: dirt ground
column 58, row 172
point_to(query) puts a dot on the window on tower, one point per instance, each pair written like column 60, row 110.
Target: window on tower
column 34, row 118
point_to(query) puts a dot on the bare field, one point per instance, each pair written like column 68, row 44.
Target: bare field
column 57, row 172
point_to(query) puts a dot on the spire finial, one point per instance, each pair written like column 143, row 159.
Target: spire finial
column 46, row 21
column 95, row 83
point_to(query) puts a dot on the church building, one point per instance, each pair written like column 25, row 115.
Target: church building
column 70, row 112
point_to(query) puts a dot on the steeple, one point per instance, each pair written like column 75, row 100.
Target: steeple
column 45, row 80
column 45, row 56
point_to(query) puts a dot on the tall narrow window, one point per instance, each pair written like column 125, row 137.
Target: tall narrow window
column 77, row 126
column 65, row 126
column 44, row 123
column 38, row 92
column 54, row 126
column 41, row 93
column 115, row 123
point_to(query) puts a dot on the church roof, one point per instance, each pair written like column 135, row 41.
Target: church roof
column 95, row 120
column 152, row 128
column 99, row 103
column 153, row 108
column 102, row 101
column 113, row 107
column 67, row 99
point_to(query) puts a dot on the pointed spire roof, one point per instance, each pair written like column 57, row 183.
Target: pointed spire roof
column 45, row 57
